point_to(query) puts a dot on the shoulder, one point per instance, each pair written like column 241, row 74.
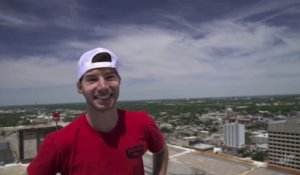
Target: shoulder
column 140, row 117
column 66, row 135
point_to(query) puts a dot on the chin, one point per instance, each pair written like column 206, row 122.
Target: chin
column 101, row 106
column 105, row 107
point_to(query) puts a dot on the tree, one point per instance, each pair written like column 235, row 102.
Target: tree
column 213, row 129
column 165, row 130
column 248, row 138
column 259, row 156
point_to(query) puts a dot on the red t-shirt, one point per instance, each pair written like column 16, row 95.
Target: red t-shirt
column 78, row 149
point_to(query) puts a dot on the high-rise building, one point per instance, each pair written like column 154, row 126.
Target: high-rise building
column 284, row 144
column 234, row 135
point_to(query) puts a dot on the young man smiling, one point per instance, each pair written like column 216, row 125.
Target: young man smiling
column 105, row 140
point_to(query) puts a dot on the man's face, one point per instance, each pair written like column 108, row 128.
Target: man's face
column 100, row 87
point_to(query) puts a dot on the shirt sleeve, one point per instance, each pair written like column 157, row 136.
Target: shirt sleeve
column 154, row 137
column 47, row 160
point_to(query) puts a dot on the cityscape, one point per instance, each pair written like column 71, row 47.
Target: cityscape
column 220, row 78
column 261, row 133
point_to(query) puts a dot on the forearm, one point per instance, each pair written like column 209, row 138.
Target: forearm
column 160, row 162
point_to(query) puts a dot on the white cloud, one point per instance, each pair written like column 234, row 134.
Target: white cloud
column 264, row 10
column 230, row 58
column 36, row 72
column 17, row 19
column 245, row 58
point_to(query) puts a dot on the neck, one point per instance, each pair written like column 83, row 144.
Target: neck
column 103, row 121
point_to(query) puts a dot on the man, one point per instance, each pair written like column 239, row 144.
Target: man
column 105, row 140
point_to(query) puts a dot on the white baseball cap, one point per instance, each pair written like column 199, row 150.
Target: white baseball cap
column 89, row 60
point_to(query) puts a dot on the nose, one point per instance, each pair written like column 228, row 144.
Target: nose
column 102, row 84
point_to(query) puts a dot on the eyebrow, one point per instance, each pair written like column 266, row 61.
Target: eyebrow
column 89, row 75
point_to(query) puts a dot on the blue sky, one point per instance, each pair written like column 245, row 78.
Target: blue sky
column 167, row 48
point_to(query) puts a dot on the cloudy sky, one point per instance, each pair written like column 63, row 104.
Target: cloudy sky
column 167, row 48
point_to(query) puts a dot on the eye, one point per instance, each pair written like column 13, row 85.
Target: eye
column 90, row 79
column 111, row 77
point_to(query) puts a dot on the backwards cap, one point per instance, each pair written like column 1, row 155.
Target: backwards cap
column 90, row 60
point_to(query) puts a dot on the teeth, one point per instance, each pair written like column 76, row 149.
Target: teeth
column 102, row 97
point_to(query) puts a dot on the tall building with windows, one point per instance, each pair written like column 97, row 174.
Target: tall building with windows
column 284, row 144
column 234, row 135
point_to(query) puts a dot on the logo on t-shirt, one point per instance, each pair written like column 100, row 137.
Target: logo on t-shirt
column 135, row 152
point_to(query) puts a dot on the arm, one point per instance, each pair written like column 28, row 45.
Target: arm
column 160, row 161
column 46, row 162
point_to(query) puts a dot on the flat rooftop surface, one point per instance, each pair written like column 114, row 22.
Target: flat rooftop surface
column 183, row 161
column 13, row 169
column 264, row 171
column 212, row 165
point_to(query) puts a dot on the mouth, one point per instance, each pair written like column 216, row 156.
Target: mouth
column 103, row 97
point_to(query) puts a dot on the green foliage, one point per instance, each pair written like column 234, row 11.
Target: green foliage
column 248, row 140
column 185, row 134
column 259, row 156
column 9, row 120
column 258, row 126
column 255, row 155
column 166, row 130
column 208, row 123
column 246, row 153
column 176, row 112
column 213, row 130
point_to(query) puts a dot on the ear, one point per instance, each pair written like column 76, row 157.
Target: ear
column 79, row 87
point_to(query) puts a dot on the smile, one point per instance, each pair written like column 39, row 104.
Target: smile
column 103, row 97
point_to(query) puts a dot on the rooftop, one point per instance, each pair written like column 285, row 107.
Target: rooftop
column 184, row 161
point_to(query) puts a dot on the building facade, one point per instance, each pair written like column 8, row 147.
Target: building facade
column 284, row 144
column 260, row 138
column 234, row 135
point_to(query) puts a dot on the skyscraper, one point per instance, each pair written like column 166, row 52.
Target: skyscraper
column 284, row 144
column 234, row 135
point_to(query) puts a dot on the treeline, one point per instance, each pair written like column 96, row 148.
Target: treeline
column 9, row 120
